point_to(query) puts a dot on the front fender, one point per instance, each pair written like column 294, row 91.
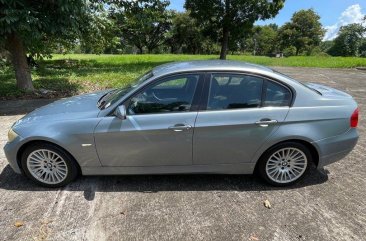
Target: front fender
column 75, row 136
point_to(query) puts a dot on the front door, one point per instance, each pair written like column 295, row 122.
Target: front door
column 241, row 112
column 158, row 130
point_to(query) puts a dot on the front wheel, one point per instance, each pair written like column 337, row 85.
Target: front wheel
column 48, row 165
column 285, row 163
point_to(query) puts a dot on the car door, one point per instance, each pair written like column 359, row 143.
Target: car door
column 240, row 112
column 159, row 125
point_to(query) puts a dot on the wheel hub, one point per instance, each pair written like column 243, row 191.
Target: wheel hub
column 286, row 165
column 47, row 166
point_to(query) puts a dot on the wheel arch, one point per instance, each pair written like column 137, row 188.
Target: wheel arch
column 33, row 142
column 313, row 150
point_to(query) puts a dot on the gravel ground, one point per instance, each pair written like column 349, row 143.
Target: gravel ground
column 327, row 205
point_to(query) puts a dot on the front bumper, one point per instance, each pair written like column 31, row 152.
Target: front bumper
column 335, row 148
column 11, row 150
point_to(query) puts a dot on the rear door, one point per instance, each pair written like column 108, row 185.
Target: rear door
column 240, row 112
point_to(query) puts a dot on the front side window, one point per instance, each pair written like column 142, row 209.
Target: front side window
column 173, row 94
column 232, row 91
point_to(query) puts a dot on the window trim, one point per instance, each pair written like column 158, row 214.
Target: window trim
column 207, row 84
column 195, row 98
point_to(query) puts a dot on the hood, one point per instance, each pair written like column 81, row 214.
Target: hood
column 328, row 92
column 77, row 107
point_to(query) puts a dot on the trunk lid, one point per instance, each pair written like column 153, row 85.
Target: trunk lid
column 328, row 92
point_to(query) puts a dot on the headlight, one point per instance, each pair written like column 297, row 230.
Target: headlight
column 12, row 135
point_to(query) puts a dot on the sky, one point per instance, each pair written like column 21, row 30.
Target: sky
column 333, row 13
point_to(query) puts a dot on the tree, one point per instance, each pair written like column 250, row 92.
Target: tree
column 326, row 45
column 185, row 34
column 143, row 23
column 362, row 49
column 264, row 40
column 100, row 35
column 349, row 40
column 231, row 18
column 35, row 26
column 304, row 32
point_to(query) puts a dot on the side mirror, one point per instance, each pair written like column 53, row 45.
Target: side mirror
column 120, row 112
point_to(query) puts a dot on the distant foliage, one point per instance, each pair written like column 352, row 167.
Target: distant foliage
column 143, row 24
column 350, row 41
column 362, row 49
column 263, row 40
column 38, row 28
column 229, row 20
column 289, row 51
column 304, row 32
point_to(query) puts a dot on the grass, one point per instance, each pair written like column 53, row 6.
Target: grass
column 77, row 73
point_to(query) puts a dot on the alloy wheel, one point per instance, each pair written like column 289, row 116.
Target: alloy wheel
column 47, row 166
column 286, row 165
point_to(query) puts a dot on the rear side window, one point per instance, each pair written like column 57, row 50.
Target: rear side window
column 276, row 95
column 233, row 91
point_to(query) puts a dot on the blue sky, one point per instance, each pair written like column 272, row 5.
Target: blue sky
column 333, row 13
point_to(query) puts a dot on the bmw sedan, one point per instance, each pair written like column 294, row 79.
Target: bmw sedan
column 222, row 117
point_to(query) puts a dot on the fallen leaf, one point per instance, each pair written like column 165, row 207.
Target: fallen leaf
column 44, row 222
column 253, row 237
column 18, row 224
column 267, row 204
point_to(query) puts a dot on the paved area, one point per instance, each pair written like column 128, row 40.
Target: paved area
column 328, row 205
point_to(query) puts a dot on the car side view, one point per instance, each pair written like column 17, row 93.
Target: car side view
column 222, row 117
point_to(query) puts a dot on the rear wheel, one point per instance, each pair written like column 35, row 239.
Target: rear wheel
column 285, row 163
column 48, row 165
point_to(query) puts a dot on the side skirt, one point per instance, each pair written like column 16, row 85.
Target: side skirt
column 242, row 168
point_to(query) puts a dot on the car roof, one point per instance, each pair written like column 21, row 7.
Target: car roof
column 208, row 65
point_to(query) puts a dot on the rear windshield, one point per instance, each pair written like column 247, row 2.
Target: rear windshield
column 303, row 84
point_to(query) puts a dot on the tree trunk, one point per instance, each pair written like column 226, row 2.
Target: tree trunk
column 225, row 42
column 141, row 50
column 19, row 60
column 225, row 30
column 172, row 49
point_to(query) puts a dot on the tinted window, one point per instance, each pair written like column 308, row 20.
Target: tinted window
column 231, row 91
column 276, row 95
column 174, row 94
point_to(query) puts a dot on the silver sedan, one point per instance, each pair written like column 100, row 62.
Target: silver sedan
column 220, row 117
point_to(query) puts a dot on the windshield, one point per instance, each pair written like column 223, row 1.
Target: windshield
column 114, row 95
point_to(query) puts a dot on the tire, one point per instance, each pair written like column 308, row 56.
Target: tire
column 49, row 165
column 285, row 164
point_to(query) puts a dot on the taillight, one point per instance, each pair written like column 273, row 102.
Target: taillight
column 354, row 119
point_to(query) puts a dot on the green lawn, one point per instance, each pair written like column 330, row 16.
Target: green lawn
column 77, row 73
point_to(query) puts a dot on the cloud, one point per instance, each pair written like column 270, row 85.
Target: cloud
column 353, row 14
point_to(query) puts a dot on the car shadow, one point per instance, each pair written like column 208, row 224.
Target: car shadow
column 157, row 183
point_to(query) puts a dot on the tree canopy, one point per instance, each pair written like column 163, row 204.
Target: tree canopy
column 303, row 32
column 349, row 41
column 230, row 18
column 143, row 24
column 36, row 26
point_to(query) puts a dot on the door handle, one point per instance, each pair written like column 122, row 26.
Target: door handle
column 265, row 122
column 180, row 127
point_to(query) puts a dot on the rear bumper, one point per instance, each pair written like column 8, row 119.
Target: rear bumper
column 335, row 148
